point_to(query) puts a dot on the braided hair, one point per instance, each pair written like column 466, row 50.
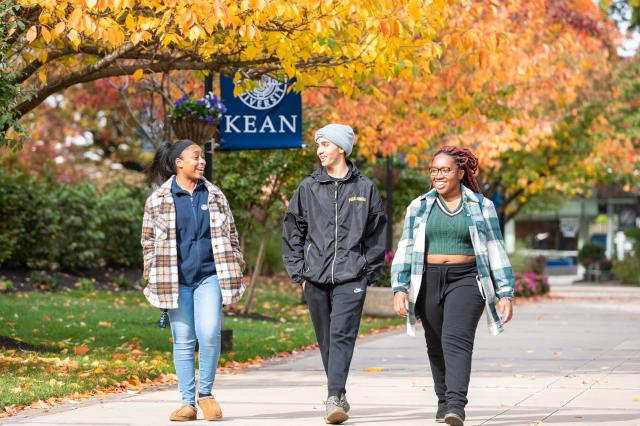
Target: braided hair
column 467, row 161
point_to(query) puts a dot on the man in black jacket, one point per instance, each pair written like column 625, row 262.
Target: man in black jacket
column 333, row 244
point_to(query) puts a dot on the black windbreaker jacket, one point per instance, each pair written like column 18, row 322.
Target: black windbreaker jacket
column 334, row 230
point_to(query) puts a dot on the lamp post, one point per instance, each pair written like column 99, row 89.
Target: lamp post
column 389, row 190
column 209, row 148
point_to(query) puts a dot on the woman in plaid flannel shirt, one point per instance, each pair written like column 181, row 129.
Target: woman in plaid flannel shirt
column 450, row 265
column 193, row 265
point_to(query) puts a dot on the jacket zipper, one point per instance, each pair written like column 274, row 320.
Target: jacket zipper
column 335, row 251
column 195, row 219
column 306, row 259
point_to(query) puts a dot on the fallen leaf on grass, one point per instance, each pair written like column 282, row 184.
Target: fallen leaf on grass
column 134, row 381
column 80, row 350
column 105, row 324
column 11, row 410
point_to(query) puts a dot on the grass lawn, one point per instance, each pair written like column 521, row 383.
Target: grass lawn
column 99, row 339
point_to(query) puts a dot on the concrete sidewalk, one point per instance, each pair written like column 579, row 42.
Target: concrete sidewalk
column 561, row 363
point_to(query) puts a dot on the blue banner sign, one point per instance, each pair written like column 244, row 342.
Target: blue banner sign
column 265, row 118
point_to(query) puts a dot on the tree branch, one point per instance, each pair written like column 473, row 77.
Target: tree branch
column 105, row 68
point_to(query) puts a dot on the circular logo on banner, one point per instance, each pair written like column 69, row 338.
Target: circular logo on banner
column 268, row 94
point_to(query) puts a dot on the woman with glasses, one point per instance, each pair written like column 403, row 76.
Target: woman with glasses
column 450, row 264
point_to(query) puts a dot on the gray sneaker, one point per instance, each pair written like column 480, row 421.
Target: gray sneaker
column 335, row 412
column 345, row 404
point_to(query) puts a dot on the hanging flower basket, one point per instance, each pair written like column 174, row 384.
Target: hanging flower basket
column 197, row 119
column 194, row 129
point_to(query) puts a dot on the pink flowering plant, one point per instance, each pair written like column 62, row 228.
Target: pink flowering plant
column 530, row 284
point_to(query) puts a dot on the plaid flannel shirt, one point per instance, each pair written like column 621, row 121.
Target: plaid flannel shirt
column 495, row 275
column 160, row 253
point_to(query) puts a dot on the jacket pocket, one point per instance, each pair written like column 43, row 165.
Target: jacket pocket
column 366, row 264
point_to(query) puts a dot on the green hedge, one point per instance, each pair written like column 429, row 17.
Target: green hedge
column 53, row 225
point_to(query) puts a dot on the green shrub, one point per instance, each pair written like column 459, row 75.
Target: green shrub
column 26, row 223
column 522, row 263
column 628, row 270
column 50, row 225
column 590, row 253
column 43, row 281
column 80, row 240
column 86, row 284
column 122, row 208
column 122, row 282
column 6, row 285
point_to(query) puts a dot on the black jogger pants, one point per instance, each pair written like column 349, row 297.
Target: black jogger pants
column 335, row 312
column 450, row 305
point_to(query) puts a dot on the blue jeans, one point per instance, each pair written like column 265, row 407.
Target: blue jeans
column 198, row 316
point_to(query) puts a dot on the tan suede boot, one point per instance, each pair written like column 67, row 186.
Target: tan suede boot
column 184, row 414
column 210, row 408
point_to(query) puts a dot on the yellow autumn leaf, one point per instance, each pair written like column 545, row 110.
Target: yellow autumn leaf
column 59, row 28
column 32, row 33
column 42, row 56
column 46, row 34
column 129, row 22
column 414, row 9
column 42, row 76
column 138, row 74
column 135, row 38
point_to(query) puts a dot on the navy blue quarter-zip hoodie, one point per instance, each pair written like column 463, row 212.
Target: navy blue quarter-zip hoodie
column 193, row 233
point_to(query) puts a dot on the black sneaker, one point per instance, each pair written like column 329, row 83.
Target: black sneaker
column 442, row 410
column 335, row 413
column 454, row 418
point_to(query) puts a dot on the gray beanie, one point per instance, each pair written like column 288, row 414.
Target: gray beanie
column 339, row 134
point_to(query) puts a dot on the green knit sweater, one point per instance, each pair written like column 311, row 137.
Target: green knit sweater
column 448, row 232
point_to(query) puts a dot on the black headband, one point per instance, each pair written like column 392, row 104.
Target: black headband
column 177, row 149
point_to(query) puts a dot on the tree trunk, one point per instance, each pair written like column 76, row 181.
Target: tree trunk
column 256, row 271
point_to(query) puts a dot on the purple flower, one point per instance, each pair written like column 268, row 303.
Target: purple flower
column 222, row 108
column 180, row 101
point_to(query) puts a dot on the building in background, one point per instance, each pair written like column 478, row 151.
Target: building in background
column 559, row 234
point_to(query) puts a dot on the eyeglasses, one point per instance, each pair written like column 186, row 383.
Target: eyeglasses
column 433, row 171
